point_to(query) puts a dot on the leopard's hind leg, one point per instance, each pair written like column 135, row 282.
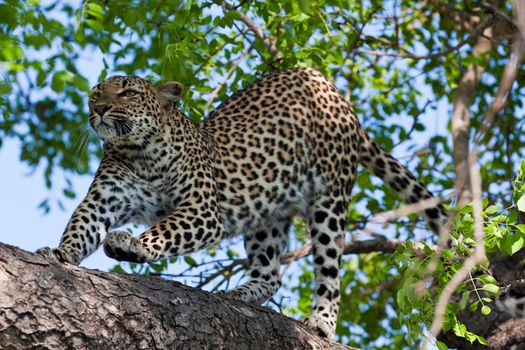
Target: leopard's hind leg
column 264, row 249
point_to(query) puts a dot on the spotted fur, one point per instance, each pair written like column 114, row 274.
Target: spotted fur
column 288, row 145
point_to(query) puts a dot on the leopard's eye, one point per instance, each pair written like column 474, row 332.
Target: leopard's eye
column 94, row 95
column 129, row 93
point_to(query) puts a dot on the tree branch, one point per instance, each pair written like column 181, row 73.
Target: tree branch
column 509, row 73
column 380, row 244
column 461, row 117
column 268, row 41
column 46, row 304
column 223, row 82
column 430, row 55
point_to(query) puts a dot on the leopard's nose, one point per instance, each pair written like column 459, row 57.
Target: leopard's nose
column 101, row 109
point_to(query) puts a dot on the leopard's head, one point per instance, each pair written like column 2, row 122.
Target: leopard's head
column 130, row 109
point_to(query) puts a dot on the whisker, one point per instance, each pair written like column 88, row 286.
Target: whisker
column 122, row 126
column 80, row 144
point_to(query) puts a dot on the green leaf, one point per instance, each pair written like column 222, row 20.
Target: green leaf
column 521, row 227
column 492, row 209
column 441, row 346
column 95, row 10
column 460, row 330
column 299, row 17
column 190, row 261
column 304, row 5
column 5, row 88
column 485, row 310
column 81, row 83
column 517, row 244
column 491, row 288
column 57, row 83
column 117, row 268
column 521, row 204
column 482, row 340
column 464, row 299
column 486, row 279
column 95, row 24
column 69, row 193
column 157, row 267
column 401, row 297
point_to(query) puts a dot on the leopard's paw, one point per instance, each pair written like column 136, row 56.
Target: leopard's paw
column 122, row 246
column 247, row 295
column 234, row 294
column 321, row 326
column 61, row 254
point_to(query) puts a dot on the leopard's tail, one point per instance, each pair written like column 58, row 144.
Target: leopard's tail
column 400, row 179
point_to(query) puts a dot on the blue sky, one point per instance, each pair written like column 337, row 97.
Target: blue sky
column 23, row 224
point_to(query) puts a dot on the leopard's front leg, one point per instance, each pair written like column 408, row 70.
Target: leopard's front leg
column 188, row 229
column 107, row 204
column 86, row 229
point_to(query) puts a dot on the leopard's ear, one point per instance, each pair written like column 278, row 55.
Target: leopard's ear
column 170, row 92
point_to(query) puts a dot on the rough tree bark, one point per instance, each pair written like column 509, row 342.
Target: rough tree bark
column 461, row 117
column 48, row 305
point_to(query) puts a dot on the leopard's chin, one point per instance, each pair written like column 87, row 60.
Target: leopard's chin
column 105, row 132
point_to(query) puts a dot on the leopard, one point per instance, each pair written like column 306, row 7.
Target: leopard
column 288, row 145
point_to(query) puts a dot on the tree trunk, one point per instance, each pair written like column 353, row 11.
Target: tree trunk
column 48, row 305
column 461, row 118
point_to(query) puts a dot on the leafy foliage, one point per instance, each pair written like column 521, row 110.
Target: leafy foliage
column 503, row 235
column 399, row 62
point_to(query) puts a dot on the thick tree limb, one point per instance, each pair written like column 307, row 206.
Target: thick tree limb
column 509, row 73
column 461, row 118
column 45, row 304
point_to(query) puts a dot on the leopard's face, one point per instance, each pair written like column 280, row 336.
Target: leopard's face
column 129, row 109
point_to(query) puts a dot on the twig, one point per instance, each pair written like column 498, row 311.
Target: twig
column 514, row 284
column 422, row 205
column 416, row 118
column 478, row 31
column 444, row 234
column 382, row 286
column 225, row 79
column 223, row 271
column 226, row 280
column 353, row 45
column 296, row 254
column 252, row 44
column 378, row 244
column 509, row 73
column 217, row 50
column 267, row 40
column 497, row 12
